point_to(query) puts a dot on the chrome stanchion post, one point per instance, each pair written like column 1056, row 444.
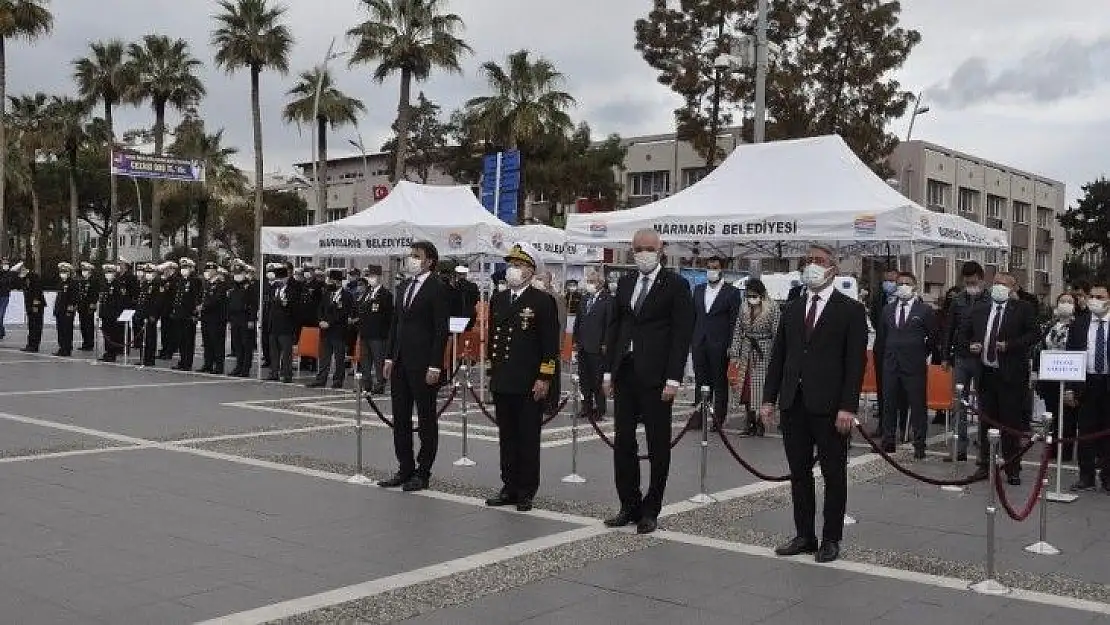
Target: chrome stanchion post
column 127, row 342
column 576, row 407
column 358, row 477
column 464, row 460
column 989, row 585
column 703, row 496
column 953, row 437
column 1042, row 546
column 1058, row 495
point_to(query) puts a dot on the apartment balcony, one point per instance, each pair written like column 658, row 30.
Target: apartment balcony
column 1044, row 238
column 1019, row 237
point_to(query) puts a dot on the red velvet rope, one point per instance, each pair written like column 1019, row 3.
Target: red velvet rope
column 1033, row 497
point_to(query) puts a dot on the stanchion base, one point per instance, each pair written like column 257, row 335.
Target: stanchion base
column 464, row 462
column 952, row 489
column 989, row 587
column 574, row 478
column 850, row 520
column 1043, row 548
column 1061, row 497
column 702, row 498
column 360, row 479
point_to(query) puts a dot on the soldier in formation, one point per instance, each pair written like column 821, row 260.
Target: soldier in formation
column 242, row 314
column 213, row 319
column 336, row 310
column 65, row 308
column 113, row 301
column 184, row 311
column 147, row 304
column 88, row 297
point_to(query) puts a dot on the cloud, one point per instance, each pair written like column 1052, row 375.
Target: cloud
column 1067, row 68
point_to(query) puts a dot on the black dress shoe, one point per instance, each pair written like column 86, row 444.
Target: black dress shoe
column 981, row 473
column 204, row 370
column 501, row 499
column 959, row 458
column 314, row 384
column 1013, row 480
column 415, row 483
column 890, row 448
column 647, row 525
column 1084, row 483
column 623, row 518
column 395, row 481
column 797, row 546
column 829, row 551
column 524, row 505
column 919, row 453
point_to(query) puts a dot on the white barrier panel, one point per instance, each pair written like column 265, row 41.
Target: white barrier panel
column 16, row 313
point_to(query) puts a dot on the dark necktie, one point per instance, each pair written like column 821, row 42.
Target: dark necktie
column 1100, row 347
column 644, row 283
column 409, row 293
column 811, row 316
column 992, row 340
column 512, row 298
column 902, row 316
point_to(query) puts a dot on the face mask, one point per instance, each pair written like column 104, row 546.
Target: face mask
column 501, row 286
column 23, row 273
column 713, row 275
column 1098, row 307
column 109, row 277
column 1000, row 293
column 1065, row 310
column 86, row 274
column 591, row 288
column 514, row 276
column 889, row 286
column 64, row 276
column 150, row 276
column 647, row 261
column 373, row 282
column 903, row 292
column 413, row 266
column 5, row 266
column 973, row 291
column 813, row 276
column 209, row 274
column 186, row 272
column 318, row 274
column 612, row 287
column 755, row 301
column 269, row 275
column 571, row 288
column 239, row 277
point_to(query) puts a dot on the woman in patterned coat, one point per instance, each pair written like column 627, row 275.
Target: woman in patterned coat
column 752, row 339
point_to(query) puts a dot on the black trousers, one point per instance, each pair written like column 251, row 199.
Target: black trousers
column 636, row 402
column 1002, row 401
column 281, row 356
column 589, row 377
column 150, row 341
column 910, row 388
column 802, row 432
column 711, row 369
column 518, row 435
column 372, row 357
column 64, row 324
column 333, row 348
column 170, row 337
column 113, row 337
column 185, row 331
column 265, row 346
column 1094, row 416
column 213, row 334
column 1050, row 393
column 34, row 329
column 138, row 327
column 408, row 389
column 88, row 329
column 242, row 345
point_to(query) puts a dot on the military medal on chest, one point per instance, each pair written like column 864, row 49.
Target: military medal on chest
column 526, row 317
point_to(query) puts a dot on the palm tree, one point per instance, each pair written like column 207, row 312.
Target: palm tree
column 335, row 109
column 28, row 119
column 410, row 37
column 104, row 76
column 249, row 35
column 164, row 75
column 66, row 122
column 526, row 104
column 222, row 179
column 19, row 19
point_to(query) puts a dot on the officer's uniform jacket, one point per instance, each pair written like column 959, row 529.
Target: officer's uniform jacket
column 523, row 339
column 186, row 297
column 68, row 298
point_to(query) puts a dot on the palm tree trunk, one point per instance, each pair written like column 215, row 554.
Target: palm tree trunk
column 3, row 148
column 404, row 119
column 256, row 118
column 155, row 187
column 322, row 168
column 113, row 193
column 74, row 243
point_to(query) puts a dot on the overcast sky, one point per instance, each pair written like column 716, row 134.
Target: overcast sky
column 1023, row 82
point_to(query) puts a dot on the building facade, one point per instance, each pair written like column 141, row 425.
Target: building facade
column 1023, row 204
column 656, row 166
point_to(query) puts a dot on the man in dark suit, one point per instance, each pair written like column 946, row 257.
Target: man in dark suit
column 523, row 338
column 1090, row 332
column 282, row 304
column 905, row 339
column 34, row 305
column 374, row 319
column 648, row 343
column 65, row 308
column 1002, row 333
column 590, row 325
column 417, row 340
column 814, row 374
column 716, row 306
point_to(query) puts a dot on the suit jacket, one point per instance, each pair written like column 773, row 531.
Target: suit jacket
column 828, row 365
column 904, row 350
column 1018, row 330
column 523, row 338
column 713, row 329
column 1077, row 341
column 592, row 322
column 418, row 335
column 67, row 298
column 375, row 314
column 282, row 304
column 336, row 311
column 659, row 335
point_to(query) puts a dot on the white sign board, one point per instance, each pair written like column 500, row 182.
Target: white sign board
column 1061, row 366
column 126, row 316
column 458, row 324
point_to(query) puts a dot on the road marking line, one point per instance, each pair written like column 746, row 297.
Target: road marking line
column 35, row 361
column 122, row 387
column 382, row 585
column 260, row 434
column 74, row 452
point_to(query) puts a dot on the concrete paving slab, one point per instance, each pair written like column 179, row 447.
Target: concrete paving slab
column 21, row 439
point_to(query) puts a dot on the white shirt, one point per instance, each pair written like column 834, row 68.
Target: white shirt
column 824, row 295
column 515, row 293
column 1092, row 342
column 987, row 335
column 418, row 282
column 711, row 292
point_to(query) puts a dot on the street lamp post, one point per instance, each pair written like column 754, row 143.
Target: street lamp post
column 918, row 109
column 760, row 113
column 361, row 147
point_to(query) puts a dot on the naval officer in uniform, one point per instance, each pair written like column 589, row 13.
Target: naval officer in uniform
column 524, row 348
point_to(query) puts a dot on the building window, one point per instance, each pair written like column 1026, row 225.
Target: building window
column 991, row 257
column 963, row 254
column 649, row 183
column 1041, row 261
column 692, row 175
column 937, row 193
column 1021, row 213
column 334, row 214
column 1044, row 218
column 94, row 242
column 995, row 204
column 1017, row 258
column 310, row 218
column 967, row 201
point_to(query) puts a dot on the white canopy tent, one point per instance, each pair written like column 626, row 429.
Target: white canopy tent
column 552, row 245
column 448, row 216
column 771, row 199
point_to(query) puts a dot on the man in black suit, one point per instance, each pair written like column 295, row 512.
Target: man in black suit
column 814, row 374
column 523, row 338
column 716, row 306
column 1090, row 332
column 374, row 319
column 337, row 305
column 282, row 306
column 1002, row 333
column 417, row 341
column 65, row 308
column 590, row 325
column 905, row 339
column 648, row 343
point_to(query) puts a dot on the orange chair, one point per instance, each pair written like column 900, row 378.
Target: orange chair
column 870, row 381
column 938, row 388
column 568, row 346
column 308, row 345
